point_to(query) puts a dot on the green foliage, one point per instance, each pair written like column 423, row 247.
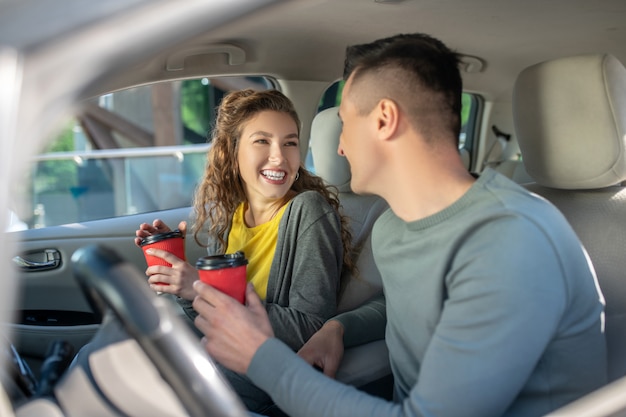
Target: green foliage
column 64, row 142
column 466, row 102
column 196, row 106
column 342, row 83
column 57, row 175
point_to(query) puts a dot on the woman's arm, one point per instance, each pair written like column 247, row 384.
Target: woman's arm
column 304, row 278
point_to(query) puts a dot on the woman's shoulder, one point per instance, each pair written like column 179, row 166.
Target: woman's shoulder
column 311, row 203
column 308, row 208
column 310, row 200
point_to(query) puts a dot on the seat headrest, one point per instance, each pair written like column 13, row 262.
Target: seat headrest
column 570, row 121
column 325, row 132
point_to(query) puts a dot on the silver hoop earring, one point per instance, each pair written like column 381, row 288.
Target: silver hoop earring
column 297, row 176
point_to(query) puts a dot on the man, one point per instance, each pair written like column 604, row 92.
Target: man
column 491, row 306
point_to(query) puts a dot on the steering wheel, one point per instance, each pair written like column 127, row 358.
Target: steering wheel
column 110, row 282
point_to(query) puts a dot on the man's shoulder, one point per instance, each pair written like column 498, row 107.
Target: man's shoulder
column 513, row 199
column 386, row 225
column 386, row 216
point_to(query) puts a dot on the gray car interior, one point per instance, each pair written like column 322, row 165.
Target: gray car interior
column 570, row 128
column 588, row 194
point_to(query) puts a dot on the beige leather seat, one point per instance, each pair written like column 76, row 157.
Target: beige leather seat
column 515, row 170
column 570, row 120
column 363, row 364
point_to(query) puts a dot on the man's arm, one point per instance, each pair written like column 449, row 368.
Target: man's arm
column 493, row 330
column 364, row 324
column 324, row 350
column 300, row 390
column 241, row 338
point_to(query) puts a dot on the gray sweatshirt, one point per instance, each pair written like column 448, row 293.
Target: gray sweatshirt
column 491, row 310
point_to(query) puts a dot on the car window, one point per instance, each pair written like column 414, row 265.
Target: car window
column 137, row 150
column 471, row 106
column 470, row 115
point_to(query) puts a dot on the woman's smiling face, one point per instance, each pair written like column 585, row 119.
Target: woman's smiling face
column 268, row 155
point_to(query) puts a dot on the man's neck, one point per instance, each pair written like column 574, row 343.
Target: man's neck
column 421, row 188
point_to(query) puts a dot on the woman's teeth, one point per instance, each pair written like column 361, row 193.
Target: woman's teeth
column 273, row 175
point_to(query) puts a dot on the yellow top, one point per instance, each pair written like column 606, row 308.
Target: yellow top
column 258, row 244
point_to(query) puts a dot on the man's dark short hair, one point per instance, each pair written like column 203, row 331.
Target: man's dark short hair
column 429, row 62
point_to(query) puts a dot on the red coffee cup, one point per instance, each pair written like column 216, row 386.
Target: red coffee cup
column 226, row 273
column 173, row 242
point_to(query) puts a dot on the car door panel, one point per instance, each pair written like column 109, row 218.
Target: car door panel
column 52, row 306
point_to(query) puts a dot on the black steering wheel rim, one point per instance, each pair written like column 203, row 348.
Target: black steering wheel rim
column 110, row 282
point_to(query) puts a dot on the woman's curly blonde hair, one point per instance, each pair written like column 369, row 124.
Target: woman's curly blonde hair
column 221, row 189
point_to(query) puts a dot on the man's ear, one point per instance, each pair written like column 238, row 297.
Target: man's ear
column 387, row 118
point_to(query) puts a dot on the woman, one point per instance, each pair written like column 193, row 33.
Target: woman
column 256, row 197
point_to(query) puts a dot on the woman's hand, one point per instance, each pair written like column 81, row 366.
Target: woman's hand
column 177, row 279
column 157, row 227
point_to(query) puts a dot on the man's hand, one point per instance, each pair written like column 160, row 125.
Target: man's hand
column 232, row 332
column 325, row 348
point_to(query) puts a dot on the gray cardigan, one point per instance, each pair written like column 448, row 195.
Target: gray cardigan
column 304, row 276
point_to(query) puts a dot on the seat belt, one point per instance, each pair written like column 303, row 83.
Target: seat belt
column 503, row 139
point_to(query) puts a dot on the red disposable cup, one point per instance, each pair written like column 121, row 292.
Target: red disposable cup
column 173, row 242
column 226, row 273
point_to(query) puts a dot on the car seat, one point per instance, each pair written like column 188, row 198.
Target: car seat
column 570, row 119
column 366, row 363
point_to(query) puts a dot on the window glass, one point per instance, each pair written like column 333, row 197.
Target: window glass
column 136, row 150
column 332, row 96
column 470, row 111
column 469, row 115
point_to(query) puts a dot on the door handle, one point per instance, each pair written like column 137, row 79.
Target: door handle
column 52, row 260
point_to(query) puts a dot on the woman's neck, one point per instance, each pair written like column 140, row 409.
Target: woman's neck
column 259, row 212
